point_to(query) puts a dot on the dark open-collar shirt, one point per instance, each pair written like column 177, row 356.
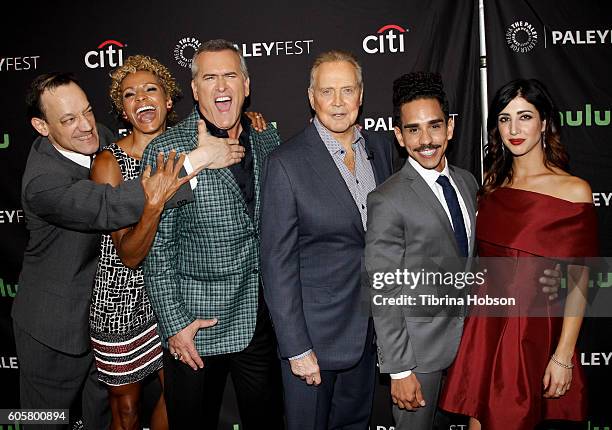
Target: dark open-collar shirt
column 243, row 172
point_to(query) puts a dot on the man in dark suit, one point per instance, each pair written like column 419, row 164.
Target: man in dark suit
column 313, row 222
column 64, row 213
column 204, row 262
column 427, row 209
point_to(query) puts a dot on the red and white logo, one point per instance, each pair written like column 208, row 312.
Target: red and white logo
column 109, row 53
column 388, row 39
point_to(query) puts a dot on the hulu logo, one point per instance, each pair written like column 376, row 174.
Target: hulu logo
column 585, row 117
column 597, row 427
column 11, row 427
column 5, row 143
column 604, row 280
column 7, row 290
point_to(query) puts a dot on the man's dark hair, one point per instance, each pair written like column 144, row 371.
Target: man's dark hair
column 39, row 85
column 415, row 86
column 218, row 45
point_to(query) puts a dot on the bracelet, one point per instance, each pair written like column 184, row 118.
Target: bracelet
column 558, row 363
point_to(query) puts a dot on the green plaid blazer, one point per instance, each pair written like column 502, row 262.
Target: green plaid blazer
column 204, row 262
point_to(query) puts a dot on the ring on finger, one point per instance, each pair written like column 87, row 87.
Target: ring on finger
column 176, row 355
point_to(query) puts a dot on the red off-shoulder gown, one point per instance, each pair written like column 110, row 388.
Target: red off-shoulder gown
column 497, row 374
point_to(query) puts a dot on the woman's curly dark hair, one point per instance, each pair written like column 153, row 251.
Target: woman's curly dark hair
column 137, row 63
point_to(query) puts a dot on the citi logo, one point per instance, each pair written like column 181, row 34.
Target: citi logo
column 389, row 38
column 6, row 140
column 587, row 117
column 109, row 53
column 8, row 290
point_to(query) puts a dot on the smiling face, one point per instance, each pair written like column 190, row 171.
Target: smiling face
column 69, row 121
column 521, row 127
column 425, row 132
column 145, row 103
column 220, row 89
column 336, row 96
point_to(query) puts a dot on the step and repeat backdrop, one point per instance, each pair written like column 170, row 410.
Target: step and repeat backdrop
column 566, row 44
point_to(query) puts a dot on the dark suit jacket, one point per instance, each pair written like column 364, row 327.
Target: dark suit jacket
column 312, row 247
column 407, row 226
column 64, row 212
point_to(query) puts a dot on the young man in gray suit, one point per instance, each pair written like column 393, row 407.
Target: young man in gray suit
column 64, row 213
column 427, row 209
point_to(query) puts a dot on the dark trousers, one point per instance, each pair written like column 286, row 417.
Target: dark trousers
column 194, row 397
column 343, row 400
column 50, row 379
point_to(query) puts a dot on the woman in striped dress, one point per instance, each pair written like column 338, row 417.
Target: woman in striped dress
column 122, row 324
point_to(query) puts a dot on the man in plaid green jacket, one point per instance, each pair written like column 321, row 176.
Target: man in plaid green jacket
column 202, row 273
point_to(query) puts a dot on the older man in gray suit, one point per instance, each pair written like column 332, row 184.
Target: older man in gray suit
column 425, row 210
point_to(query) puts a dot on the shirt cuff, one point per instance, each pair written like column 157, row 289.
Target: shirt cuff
column 302, row 355
column 189, row 168
column 401, row 375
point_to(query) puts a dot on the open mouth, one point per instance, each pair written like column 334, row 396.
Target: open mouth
column 223, row 103
column 146, row 113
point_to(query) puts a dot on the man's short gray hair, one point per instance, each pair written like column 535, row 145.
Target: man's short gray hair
column 217, row 45
column 333, row 56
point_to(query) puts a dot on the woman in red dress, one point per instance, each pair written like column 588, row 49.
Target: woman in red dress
column 514, row 371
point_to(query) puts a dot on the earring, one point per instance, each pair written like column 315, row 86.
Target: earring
column 544, row 139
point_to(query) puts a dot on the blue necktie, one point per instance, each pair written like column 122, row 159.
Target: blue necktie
column 455, row 212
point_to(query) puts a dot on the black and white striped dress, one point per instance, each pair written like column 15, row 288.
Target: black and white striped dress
column 123, row 328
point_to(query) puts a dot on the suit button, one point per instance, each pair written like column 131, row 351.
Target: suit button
column 255, row 271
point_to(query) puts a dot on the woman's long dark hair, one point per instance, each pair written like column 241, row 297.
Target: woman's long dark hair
column 498, row 160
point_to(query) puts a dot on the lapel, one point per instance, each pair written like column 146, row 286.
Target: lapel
column 469, row 204
column 224, row 175
column 322, row 163
column 377, row 158
column 420, row 187
column 47, row 148
column 258, row 151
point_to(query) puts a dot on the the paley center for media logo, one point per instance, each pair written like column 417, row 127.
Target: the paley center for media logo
column 185, row 49
column 108, row 54
column 387, row 39
column 522, row 36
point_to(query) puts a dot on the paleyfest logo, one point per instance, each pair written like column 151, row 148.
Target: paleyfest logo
column 109, row 53
column 184, row 50
column 388, row 39
column 521, row 37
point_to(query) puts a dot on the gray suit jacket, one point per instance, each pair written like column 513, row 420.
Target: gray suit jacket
column 407, row 226
column 312, row 242
column 64, row 214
